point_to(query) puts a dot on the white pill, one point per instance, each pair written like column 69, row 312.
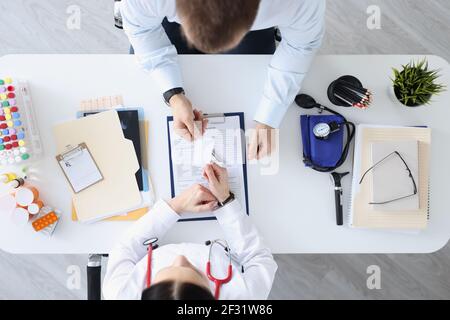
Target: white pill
column 11, row 160
column 16, row 152
column 18, row 159
column 23, row 150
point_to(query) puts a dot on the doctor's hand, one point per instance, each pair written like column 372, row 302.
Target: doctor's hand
column 261, row 142
column 188, row 122
column 217, row 178
column 195, row 199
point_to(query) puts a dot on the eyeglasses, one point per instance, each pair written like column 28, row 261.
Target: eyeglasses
column 395, row 153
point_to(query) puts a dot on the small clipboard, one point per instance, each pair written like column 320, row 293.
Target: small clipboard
column 79, row 167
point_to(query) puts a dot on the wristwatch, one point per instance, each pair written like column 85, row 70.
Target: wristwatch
column 170, row 93
column 227, row 200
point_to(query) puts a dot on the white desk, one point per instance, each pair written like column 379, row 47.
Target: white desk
column 294, row 209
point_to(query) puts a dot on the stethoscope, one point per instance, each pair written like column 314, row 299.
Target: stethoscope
column 152, row 245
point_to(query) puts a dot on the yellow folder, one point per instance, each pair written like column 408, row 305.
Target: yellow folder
column 116, row 159
column 139, row 213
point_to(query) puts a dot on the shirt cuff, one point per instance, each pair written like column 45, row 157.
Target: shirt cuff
column 229, row 213
column 157, row 221
column 167, row 77
column 270, row 113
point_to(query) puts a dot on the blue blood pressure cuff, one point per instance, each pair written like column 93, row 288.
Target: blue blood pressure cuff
column 321, row 153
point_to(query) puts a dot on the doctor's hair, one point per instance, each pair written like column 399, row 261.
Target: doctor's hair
column 215, row 26
column 172, row 290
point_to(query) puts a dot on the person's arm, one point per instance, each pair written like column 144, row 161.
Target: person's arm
column 130, row 248
column 153, row 49
column 302, row 37
column 248, row 250
column 155, row 53
column 245, row 243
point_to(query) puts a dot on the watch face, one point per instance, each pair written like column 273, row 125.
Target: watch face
column 322, row 130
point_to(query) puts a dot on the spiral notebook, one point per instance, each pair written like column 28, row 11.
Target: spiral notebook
column 364, row 215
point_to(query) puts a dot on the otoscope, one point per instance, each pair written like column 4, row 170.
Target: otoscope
column 337, row 177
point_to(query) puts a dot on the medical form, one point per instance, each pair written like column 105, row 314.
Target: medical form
column 223, row 143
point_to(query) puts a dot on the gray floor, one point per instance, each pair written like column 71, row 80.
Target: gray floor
column 407, row 26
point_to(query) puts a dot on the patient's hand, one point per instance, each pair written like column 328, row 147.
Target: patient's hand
column 217, row 178
column 195, row 199
column 188, row 122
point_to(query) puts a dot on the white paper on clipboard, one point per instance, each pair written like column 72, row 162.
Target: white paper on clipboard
column 222, row 143
column 79, row 167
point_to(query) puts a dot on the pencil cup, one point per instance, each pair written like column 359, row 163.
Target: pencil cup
column 348, row 91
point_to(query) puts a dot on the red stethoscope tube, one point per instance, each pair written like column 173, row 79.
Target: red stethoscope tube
column 148, row 280
column 218, row 283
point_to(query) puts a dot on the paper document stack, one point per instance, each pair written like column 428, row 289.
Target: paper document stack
column 390, row 187
column 115, row 156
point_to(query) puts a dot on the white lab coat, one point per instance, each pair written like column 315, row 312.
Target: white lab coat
column 127, row 265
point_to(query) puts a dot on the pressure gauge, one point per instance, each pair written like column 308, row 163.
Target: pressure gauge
column 322, row 130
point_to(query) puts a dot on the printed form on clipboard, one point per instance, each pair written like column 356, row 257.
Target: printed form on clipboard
column 223, row 143
column 79, row 167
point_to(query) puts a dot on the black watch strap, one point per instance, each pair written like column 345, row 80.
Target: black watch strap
column 170, row 93
column 227, row 201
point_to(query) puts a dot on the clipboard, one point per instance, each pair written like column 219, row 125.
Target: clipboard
column 118, row 192
column 244, row 155
column 79, row 167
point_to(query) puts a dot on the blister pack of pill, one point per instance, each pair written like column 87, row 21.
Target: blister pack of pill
column 19, row 135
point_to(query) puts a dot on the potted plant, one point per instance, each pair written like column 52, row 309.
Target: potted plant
column 416, row 84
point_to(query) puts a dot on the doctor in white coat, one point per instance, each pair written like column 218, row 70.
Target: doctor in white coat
column 178, row 271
